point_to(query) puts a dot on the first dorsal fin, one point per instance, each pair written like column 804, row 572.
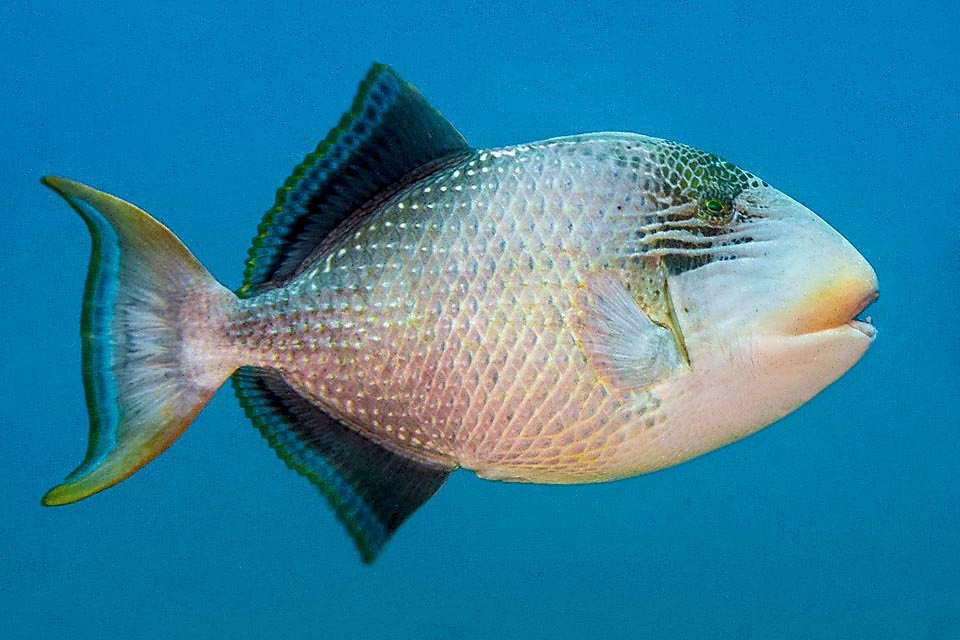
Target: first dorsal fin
column 389, row 132
column 373, row 490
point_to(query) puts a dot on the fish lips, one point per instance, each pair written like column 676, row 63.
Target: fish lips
column 864, row 324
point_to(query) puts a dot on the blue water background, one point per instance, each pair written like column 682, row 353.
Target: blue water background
column 839, row 521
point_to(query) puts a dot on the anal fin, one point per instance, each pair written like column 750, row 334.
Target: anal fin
column 372, row 490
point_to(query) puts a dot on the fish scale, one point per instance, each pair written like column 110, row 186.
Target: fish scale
column 500, row 242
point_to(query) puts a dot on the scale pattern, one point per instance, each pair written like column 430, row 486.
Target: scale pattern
column 443, row 327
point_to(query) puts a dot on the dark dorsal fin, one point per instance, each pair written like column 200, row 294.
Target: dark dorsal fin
column 373, row 490
column 389, row 132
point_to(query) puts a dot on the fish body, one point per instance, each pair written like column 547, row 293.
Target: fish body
column 574, row 310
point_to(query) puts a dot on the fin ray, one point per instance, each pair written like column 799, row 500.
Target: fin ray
column 389, row 132
column 139, row 395
column 622, row 343
column 372, row 490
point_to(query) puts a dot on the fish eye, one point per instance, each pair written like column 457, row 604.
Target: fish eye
column 714, row 210
column 715, row 206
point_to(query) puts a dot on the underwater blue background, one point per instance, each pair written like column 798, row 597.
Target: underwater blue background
column 842, row 520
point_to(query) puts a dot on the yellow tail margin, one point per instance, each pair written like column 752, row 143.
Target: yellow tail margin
column 143, row 286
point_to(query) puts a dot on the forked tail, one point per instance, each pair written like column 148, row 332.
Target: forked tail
column 151, row 312
column 155, row 323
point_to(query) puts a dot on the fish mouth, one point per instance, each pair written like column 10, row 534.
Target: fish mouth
column 861, row 322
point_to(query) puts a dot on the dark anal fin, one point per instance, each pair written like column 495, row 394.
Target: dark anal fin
column 373, row 490
column 389, row 132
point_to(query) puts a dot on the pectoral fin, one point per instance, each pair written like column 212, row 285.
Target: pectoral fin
column 625, row 347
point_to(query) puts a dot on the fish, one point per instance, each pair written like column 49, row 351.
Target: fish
column 580, row 309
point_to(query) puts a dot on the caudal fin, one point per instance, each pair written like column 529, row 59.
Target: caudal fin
column 148, row 307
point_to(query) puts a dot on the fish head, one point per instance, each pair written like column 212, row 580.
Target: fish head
column 765, row 296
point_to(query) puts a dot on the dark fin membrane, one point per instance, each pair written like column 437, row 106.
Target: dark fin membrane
column 373, row 490
column 142, row 389
column 389, row 132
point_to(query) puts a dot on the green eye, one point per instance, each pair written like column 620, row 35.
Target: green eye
column 715, row 210
column 715, row 206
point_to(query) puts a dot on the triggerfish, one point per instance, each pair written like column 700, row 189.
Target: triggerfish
column 580, row 309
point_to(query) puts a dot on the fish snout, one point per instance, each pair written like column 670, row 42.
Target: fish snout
column 835, row 292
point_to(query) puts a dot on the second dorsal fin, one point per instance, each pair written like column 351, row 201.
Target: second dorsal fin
column 389, row 132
